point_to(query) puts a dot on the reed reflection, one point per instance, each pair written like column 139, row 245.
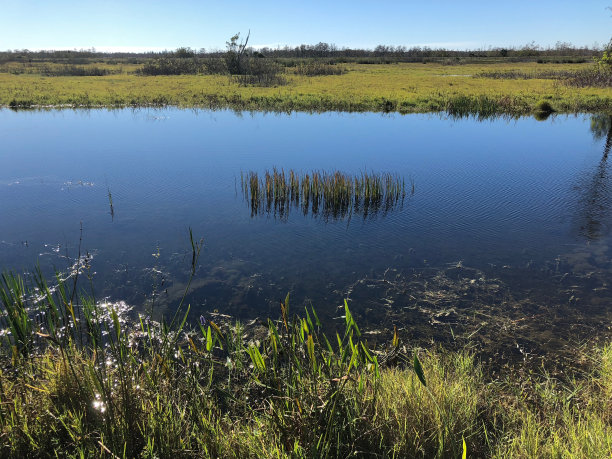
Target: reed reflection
column 328, row 195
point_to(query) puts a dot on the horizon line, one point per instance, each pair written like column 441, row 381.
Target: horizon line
column 451, row 46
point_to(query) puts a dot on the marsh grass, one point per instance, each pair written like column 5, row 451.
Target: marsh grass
column 548, row 417
column 330, row 195
column 598, row 77
column 75, row 70
column 481, row 107
column 172, row 66
column 403, row 88
column 543, row 108
column 260, row 72
column 521, row 75
column 78, row 379
column 87, row 383
column 65, row 69
column 318, row 68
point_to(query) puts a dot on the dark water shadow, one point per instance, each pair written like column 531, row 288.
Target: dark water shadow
column 593, row 218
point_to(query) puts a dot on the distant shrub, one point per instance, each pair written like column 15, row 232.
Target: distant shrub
column 544, row 106
column 172, row 66
column 450, row 61
column 600, row 77
column 520, row 75
column 183, row 53
column 74, row 70
column 319, row 68
column 255, row 71
column 215, row 66
column 260, row 72
column 15, row 104
column 376, row 60
column 260, row 80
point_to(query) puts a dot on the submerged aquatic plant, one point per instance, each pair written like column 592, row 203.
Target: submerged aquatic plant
column 330, row 195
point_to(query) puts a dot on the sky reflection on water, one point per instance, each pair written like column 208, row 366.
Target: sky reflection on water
column 511, row 200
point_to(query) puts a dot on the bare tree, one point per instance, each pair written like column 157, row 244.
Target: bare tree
column 236, row 54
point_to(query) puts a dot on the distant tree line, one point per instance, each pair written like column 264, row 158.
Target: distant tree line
column 319, row 50
column 330, row 51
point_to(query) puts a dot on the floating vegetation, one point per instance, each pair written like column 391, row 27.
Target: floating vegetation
column 329, row 195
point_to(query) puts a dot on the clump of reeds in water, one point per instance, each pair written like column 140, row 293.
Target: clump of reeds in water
column 334, row 195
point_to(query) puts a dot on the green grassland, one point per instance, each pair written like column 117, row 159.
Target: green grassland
column 400, row 87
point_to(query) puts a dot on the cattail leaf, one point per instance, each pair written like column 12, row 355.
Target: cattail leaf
column 258, row 361
column 376, row 368
column 209, row 341
column 217, row 331
column 116, row 323
column 274, row 338
column 350, row 322
column 311, row 354
column 418, row 369
column 317, row 321
column 366, row 352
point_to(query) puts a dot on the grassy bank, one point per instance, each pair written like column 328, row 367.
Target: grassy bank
column 78, row 381
column 483, row 89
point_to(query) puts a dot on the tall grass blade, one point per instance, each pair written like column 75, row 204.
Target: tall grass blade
column 418, row 369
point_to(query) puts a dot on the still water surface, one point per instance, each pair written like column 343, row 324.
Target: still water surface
column 509, row 221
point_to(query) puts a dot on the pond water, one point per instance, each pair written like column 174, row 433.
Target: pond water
column 506, row 236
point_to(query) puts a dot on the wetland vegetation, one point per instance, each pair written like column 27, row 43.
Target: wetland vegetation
column 315, row 78
column 80, row 379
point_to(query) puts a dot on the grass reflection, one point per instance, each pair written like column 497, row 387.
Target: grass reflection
column 329, row 195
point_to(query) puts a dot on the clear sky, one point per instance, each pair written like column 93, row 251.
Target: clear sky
column 156, row 25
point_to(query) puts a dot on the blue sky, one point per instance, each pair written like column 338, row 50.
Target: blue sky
column 157, row 25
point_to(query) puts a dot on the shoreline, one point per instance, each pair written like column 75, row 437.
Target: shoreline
column 480, row 107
